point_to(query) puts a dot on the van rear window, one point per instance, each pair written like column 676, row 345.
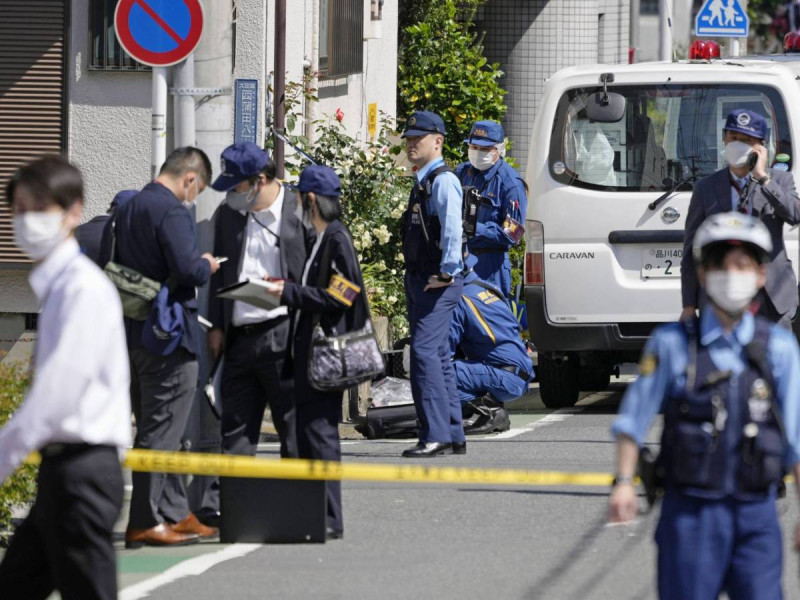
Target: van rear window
column 669, row 134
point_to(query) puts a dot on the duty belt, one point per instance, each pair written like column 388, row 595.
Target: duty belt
column 518, row 371
column 478, row 251
column 252, row 328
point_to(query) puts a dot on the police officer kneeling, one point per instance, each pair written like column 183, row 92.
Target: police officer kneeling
column 729, row 387
column 495, row 367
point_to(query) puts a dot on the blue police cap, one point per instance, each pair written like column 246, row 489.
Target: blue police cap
column 747, row 122
column 321, row 180
column 240, row 162
column 424, row 122
column 163, row 328
column 486, row 133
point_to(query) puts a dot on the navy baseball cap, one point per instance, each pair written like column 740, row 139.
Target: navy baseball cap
column 321, row 180
column 747, row 122
column 163, row 328
column 239, row 162
column 486, row 133
column 423, row 122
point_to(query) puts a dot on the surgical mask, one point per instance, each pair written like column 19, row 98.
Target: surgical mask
column 38, row 233
column 732, row 291
column 188, row 203
column 736, row 153
column 481, row 160
column 241, row 201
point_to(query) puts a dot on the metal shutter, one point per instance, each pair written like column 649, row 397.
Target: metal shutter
column 32, row 94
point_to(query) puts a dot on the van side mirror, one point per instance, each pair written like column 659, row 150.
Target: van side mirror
column 605, row 107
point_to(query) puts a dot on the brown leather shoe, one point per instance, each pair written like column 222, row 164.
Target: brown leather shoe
column 160, row 535
column 192, row 525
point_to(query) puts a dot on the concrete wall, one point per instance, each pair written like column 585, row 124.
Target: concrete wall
column 532, row 39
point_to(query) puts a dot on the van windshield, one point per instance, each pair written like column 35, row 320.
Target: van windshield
column 669, row 134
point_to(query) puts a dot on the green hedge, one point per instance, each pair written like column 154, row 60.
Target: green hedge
column 20, row 488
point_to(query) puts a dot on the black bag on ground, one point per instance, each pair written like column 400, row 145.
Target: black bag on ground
column 396, row 421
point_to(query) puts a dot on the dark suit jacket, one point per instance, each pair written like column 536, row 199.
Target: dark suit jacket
column 156, row 236
column 90, row 237
column 775, row 203
column 312, row 299
column 230, row 227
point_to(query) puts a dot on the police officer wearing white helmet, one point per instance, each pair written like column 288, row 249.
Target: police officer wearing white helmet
column 728, row 384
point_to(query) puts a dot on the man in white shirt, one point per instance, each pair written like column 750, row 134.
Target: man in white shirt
column 258, row 230
column 77, row 411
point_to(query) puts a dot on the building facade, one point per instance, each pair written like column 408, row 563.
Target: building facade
column 67, row 86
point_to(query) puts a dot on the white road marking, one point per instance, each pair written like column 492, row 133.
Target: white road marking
column 556, row 417
column 193, row 566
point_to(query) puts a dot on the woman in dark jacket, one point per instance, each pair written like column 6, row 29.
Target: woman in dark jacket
column 319, row 298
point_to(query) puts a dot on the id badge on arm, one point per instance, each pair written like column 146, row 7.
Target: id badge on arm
column 343, row 290
column 513, row 229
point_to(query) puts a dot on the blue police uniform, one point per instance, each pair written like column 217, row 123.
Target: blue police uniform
column 723, row 452
column 432, row 240
column 504, row 196
column 484, row 328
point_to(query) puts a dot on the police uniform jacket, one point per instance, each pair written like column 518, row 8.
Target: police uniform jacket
column 775, row 203
column 306, row 301
column 485, row 329
column 230, row 228
column 504, row 196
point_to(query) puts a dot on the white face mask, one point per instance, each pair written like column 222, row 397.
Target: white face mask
column 481, row 160
column 241, row 200
column 736, row 153
column 38, row 233
column 732, row 291
column 188, row 203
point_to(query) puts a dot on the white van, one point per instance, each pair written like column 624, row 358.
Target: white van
column 603, row 234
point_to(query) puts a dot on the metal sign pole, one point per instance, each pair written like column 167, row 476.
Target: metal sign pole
column 159, row 122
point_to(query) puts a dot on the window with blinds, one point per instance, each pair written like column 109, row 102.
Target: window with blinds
column 341, row 37
column 107, row 54
column 32, row 94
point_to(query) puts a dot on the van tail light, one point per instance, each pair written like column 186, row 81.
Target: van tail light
column 534, row 253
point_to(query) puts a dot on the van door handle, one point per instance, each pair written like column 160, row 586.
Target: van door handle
column 652, row 236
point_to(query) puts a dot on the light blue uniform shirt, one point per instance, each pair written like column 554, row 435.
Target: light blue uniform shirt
column 648, row 394
column 445, row 202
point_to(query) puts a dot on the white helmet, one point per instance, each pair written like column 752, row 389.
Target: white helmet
column 732, row 227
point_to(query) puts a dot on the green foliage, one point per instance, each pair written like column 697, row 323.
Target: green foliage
column 441, row 68
column 20, row 488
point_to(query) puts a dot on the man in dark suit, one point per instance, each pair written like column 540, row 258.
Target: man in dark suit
column 258, row 230
column 747, row 185
column 155, row 235
column 90, row 234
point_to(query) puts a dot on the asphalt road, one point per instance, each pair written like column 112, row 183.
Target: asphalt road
column 449, row 541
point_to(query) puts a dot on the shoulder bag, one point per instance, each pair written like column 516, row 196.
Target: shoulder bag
column 339, row 362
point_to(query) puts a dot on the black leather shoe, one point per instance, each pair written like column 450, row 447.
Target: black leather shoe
column 333, row 534
column 423, row 450
column 459, row 447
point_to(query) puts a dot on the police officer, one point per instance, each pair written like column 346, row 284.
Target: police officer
column 432, row 239
column 748, row 186
column 728, row 384
column 502, row 211
column 495, row 361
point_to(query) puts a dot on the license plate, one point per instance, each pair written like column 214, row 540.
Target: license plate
column 661, row 262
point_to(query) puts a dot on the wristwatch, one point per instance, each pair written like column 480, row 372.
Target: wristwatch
column 764, row 179
column 621, row 479
column 444, row 278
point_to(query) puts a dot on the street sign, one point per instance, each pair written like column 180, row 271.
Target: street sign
column 722, row 18
column 246, row 111
column 159, row 33
column 372, row 119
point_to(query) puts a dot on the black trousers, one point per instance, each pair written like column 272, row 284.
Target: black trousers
column 162, row 392
column 251, row 379
column 65, row 544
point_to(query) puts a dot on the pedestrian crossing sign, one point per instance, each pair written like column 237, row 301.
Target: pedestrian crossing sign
column 722, row 18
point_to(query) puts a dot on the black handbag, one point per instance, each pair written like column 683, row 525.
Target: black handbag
column 339, row 362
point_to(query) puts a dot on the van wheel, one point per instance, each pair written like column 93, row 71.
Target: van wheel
column 594, row 380
column 559, row 380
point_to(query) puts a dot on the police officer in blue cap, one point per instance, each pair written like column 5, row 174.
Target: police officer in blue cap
column 746, row 185
column 501, row 215
column 432, row 240
column 495, row 367
column 728, row 384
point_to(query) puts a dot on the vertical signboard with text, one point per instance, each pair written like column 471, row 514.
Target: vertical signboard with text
column 245, row 111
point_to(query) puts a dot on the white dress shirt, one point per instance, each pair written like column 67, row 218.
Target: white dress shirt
column 261, row 256
column 80, row 390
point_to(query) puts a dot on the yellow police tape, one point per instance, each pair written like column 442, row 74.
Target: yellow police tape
column 246, row 466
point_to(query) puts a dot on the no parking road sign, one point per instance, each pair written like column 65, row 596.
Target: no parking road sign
column 721, row 18
column 159, row 33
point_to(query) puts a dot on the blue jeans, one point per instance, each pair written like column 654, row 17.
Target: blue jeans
column 433, row 381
